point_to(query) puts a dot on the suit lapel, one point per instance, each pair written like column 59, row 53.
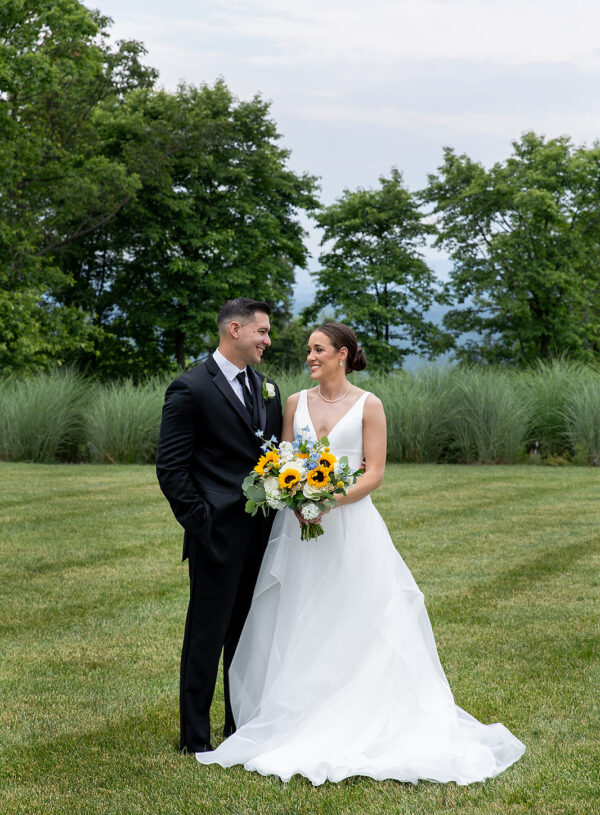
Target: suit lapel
column 262, row 408
column 223, row 385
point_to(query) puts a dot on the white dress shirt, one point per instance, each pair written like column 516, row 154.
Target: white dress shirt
column 230, row 371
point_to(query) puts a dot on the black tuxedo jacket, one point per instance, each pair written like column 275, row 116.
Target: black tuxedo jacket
column 206, row 447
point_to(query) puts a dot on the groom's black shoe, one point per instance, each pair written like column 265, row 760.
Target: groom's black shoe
column 202, row 748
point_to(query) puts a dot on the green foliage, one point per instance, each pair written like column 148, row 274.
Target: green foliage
column 524, row 240
column 129, row 215
column 417, row 408
column 122, row 422
column 582, row 418
column 34, row 332
column 374, row 276
column 547, row 388
column 435, row 414
column 288, row 349
column 216, row 217
column 488, row 419
column 290, row 380
column 41, row 417
column 55, row 184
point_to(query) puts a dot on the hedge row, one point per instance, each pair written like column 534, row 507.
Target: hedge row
column 437, row 414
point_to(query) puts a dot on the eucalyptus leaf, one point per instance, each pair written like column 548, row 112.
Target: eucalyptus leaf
column 256, row 493
column 248, row 482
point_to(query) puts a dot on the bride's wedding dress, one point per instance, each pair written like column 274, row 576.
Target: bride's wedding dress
column 337, row 673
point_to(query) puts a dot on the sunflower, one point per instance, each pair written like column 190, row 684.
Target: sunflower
column 272, row 457
column 318, row 477
column 327, row 460
column 288, row 478
column 260, row 465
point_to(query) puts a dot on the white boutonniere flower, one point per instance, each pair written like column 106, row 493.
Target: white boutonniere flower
column 268, row 390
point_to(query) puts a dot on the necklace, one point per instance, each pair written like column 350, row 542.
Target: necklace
column 339, row 399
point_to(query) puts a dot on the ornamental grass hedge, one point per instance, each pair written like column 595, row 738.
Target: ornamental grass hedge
column 440, row 413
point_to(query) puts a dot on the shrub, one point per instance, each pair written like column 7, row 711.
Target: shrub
column 489, row 418
column 582, row 418
column 123, row 422
column 417, row 407
column 547, row 387
column 41, row 419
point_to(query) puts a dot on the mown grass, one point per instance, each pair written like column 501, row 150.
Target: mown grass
column 93, row 599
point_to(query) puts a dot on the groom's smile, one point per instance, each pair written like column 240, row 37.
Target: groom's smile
column 252, row 339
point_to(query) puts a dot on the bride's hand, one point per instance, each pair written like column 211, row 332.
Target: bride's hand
column 316, row 520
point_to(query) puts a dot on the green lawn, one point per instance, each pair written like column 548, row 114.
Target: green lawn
column 93, row 597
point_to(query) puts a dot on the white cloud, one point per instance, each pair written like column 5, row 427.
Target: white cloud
column 358, row 86
column 382, row 32
column 504, row 125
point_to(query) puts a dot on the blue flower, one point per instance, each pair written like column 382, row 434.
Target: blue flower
column 264, row 447
column 258, row 433
column 273, row 439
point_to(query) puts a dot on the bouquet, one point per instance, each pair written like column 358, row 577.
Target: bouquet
column 303, row 475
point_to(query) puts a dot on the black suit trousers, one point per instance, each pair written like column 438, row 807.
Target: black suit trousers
column 220, row 597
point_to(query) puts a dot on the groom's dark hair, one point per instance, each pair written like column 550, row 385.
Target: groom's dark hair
column 241, row 309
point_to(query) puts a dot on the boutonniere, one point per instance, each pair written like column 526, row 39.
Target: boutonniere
column 268, row 390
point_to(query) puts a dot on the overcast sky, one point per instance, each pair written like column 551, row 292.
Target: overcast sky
column 360, row 86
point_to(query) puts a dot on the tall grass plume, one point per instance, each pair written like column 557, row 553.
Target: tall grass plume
column 41, row 418
column 123, row 422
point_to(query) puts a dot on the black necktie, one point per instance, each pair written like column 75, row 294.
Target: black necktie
column 248, row 400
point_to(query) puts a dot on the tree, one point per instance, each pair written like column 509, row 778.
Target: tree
column 288, row 349
column 524, row 237
column 215, row 217
column 374, row 275
column 55, row 184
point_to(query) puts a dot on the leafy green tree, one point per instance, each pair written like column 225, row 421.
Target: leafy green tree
column 216, row 216
column 56, row 186
column 288, row 348
column 374, row 275
column 524, row 237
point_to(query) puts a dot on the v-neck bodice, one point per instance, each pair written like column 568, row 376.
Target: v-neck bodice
column 345, row 437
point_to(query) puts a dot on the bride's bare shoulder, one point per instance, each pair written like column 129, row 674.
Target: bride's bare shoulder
column 373, row 404
column 291, row 403
column 293, row 398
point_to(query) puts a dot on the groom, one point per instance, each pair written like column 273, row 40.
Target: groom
column 207, row 446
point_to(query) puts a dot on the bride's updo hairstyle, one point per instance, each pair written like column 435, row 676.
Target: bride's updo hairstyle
column 341, row 336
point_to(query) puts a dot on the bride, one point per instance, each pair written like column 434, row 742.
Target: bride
column 336, row 673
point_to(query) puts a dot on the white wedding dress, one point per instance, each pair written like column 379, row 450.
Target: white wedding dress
column 337, row 673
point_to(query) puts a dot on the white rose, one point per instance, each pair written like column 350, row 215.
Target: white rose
column 310, row 511
column 309, row 492
column 270, row 388
column 274, row 503
column 271, row 484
